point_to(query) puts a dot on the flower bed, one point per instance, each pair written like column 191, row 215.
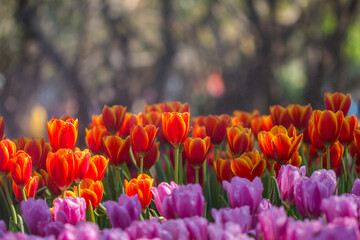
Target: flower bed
column 157, row 175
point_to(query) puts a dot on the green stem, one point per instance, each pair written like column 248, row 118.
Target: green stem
column 196, row 174
column 63, row 194
column 180, row 166
column 5, row 201
column 121, row 180
column 141, row 164
column 12, row 208
column 176, row 157
column 344, row 163
column 133, row 158
column 78, row 190
column 23, row 194
column 328, row 166
column 304, row 160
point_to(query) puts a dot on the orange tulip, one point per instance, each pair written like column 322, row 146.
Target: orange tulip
column 113, row 118
column 142, row 187
column 255, row 126
column 277, row 145
column 116, row 149
column 61, row 168
column 176, row 127
column 280, row 116
column 130, row 121
column 97, row 120
column 81, row 159
column 142, row 139
column 37, row 149
column 50, row 183
column 91, row 191
column 249, row 165
column 239, row 140
column 7, row 152
column 266, row 123
column 199, row 131
column 223, row 170
column 150, row 158
column 30, row 188
column 328, row 125
column 336, row 152
column 299, row 115
column 198, row 121
column 97, row 168
column 94, row 138
column 62, row 134
column 176, row 107
column 346, row 136
column 20, row 168
column 2, row 128
column 158, row 107
column 153, row 118
column 356, row 139
column 196, row 150
column 216, row 127
column 315, row 138
column 337, row 101
column 246, row 117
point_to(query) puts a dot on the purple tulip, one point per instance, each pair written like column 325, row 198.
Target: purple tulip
column 310, row 192
column 273, row 223
column 227, row 232
column 339, row 206
column 265, row 204
column 356, row 187
column 163, row 190
column 124, row 212
column 114, row 234
column 302, row 230
column 36, row 214
column 82, row 231
column 240, row 216
column 2, row 228
column 340, row 229
column 242, row 192
column 23, row 236
column 185, row 201
column 69, row 210
column 197, row 227
column 288, row 177
column 54, row 229
column 147, row 229
column 174, row 229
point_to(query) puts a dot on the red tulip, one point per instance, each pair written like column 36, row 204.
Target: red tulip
column 176, row 107
column 337, row 101
column 249, row 165
column 239, row 140
column 116, row 149
column 113, row 118
column 97, row 121
column 346, row 136
column 130, row 121
column 199, row 132
column 246, row 117
column 97, row 168
column 336, row 152
column 61, row 168
column 91, row 191
column 81, row 159
column 196, row 150
column 142, row 139
column 280, row 116
column 142, row 187
column 266, row 123
column 328, row 125
column 21, row 166
column 223, row 170
column 94, row 138
column 37, row 149
column 30, row 188
column 176, row 127
column 62, row 134
column 7, row 152
column 299, row 115
column 216, row 127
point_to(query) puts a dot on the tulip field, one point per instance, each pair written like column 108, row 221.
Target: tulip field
column 166, row 174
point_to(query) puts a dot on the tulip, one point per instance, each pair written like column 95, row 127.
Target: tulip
column 149, row 118
column 229, row 231
column 81, row 159
column 223, row 170
column 239, row 140
column 287, row 178
column 339, row 207
column 309, row 192
column 174, row 229
column 176, row 127
column 299, row 115
column 302, row 230
column 21, row 168
column 2, row 128
column 158, row 107
column 246, row 117
column 150, row 158
column 142, row 187
column 69, row 210
column 341, row 228
column 176, row 107
column 240, row 216
column 83, row 231
column 249, row 165
column 7, row 152
column 280, row 116
column 264, row 205
column 38, row 150
column 91, row 191
column 174, row 206
column 97, row 168
column 142, row 139
column 36, row 214
column 147, row 229
column 315, row 138
column 163, row 190
column 62, row 134
column 216, row 127
column 199, row 132
column 122, row 213
column 113, row 234
column 196, row 150
column 336, row 153
column 116, row 149
column 277, row 144
column 328, row 125
column 346, row 136
column 94, row 139
column 61, row 168
column 337, row 101
column 356, row 187
column 295, row 161
column 273, row 223
column 242, row 192
column 130, row 121
column 97, row 120
column 113, row 118
column 30, row 189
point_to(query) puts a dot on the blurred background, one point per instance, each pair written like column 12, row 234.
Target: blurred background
column 72, row 57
